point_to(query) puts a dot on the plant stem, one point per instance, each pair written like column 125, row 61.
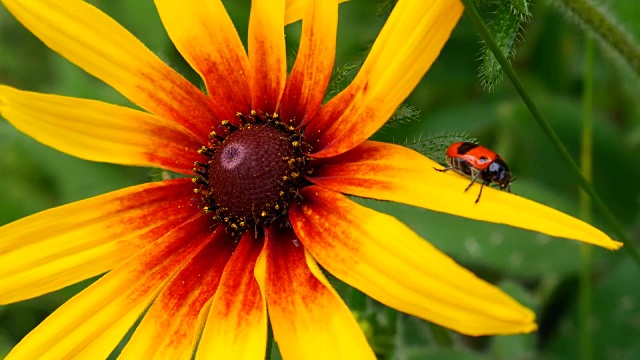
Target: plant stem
column 473, row 15
column 603, row 26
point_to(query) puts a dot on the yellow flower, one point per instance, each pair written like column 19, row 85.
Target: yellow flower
column 272, row 165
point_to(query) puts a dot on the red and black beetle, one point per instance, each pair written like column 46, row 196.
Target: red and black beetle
column 478, row 162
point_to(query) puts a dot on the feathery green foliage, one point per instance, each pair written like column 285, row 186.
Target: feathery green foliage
column 505, row 26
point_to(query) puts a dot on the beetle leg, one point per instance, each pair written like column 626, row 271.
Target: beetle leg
column 473, row 179
column 480, row 193
column 444, row 170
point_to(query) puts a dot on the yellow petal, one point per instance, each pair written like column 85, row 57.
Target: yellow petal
column 205, row 36
column 93, row 322
column 403, row 52
column 309, row 319
column 99, row 45
column 391, row 172
column 61, row 246
column 379, row 255
column 267, row 54
column 236, row 326
column 170, row 328
column 306, row 85
column 98, row 131
column 295, row 9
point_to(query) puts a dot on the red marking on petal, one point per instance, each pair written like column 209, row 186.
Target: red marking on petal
column 184, row 298
column 243, row 262
column 188, row 107
column 329, row 114
column 306, row 85
column 308, row 317
column 287, row 269
column 236, row 327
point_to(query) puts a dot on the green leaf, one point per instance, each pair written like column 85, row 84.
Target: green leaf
column 616, row 317
column 520, row 346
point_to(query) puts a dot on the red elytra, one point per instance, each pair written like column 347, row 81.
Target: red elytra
column 478, row 162
column 477, row 156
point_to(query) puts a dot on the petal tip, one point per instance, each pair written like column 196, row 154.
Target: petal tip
column 613, row 245
column 530, row 327
column 525, row 325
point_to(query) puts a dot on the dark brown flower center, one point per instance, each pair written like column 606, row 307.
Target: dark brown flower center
column 252, row 174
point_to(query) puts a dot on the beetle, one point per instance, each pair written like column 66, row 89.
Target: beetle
column 478, row 163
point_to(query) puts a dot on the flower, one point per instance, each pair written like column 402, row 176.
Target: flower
column 272, row 166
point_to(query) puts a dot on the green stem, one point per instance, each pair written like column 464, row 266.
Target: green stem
column 473, row 15
column 586, row 159
column 605, row 29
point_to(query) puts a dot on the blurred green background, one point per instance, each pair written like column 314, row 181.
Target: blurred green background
column 540, row 271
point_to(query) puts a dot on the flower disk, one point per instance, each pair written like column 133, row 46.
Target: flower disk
column 253, row 174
